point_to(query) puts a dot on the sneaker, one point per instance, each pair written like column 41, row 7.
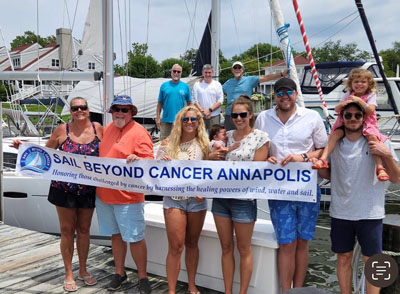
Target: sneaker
column 144, row 286
column 116, row 281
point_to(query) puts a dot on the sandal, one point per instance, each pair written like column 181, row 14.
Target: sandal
column 70, row 286
column 382, row 175
column 193, row 292
column 88, row 280
column 320, row 164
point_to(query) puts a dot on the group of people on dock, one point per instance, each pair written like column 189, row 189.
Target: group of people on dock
column 357, row 159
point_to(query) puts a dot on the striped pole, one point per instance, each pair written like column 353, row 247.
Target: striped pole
column 310, row 57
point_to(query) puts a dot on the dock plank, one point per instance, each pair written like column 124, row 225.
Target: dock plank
column 31, row 263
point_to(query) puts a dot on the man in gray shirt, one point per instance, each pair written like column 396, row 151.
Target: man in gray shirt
column 358, row 199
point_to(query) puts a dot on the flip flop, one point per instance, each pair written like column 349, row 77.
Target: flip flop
column 70, row 286
column 320, row 164
column 88, row 280
column 382, row 175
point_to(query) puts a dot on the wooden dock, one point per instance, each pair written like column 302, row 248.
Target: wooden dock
column 30, row 262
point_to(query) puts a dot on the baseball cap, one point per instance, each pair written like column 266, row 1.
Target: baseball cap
column 237, row 63
column 285, row 83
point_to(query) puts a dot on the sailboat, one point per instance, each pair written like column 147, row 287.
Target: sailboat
column 26, row 205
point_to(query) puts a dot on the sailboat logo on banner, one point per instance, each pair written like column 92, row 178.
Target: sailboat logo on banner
column 35, row 159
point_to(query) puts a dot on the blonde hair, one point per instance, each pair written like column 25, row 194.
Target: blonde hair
column 358, row 73
column 174, row 139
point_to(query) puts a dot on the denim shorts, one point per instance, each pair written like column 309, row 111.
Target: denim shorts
column 240, row 211
column 124, row 219
column 368, row 233
column 189, row 205
column 294, row 219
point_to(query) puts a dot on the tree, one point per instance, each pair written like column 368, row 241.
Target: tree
column 3, row 92
column 189, row 56
column 334, row 51
column 391, row 58
column 140, row 65
column 30, row 37
column 167, row 64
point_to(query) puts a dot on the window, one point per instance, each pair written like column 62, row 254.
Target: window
column 74, row 64
column 92, row 65
column 55, row 62
column 17, row 62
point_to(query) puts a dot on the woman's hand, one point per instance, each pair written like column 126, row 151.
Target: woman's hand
column 272, row 159
column 218, row 154
column 131, row 158
column 199, row 198
column 164, row 157
column 15, row 144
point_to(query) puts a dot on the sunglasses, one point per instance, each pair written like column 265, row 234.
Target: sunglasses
column 176, row 71
column 241, row 114
column 123, row 110
column 186, row 119
column 282, row 93
column 349, row 115
column 77, row 107
column 237, row 67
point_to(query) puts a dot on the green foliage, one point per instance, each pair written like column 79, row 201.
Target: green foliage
column 334, row 51
column 3, row 92
column 167, row 64
column 30, row 37
column 189, row 56
column 391, row 58
column 139, row 65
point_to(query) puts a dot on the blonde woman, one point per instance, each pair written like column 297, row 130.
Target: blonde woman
column 184, row 216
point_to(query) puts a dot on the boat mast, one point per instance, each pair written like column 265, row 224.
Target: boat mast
column 364, row 20
column 281, row 29
column 215, row 35
column 108, row 45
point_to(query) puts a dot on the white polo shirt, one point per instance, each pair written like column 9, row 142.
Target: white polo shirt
column 207, row 94
column 303, row 132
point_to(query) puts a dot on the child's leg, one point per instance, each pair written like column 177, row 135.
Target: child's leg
column 332, row 141
column 380, row 170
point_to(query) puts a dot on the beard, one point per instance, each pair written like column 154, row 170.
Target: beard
column 350, row 130
column 119, row 122
column 176, row 78
column 237, row 75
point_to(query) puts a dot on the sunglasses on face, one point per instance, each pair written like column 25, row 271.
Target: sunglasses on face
column 282, row 93
column 77, row 107
column 241, row 114
column 237, row 67
column 123, row 110
column 176, row 71
column 187, row 119
column 349, row 115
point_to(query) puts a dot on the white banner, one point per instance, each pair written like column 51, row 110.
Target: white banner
column 211, row 179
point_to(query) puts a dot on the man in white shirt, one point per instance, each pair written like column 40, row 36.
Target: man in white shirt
column 208, row 97
column 296, row 134
column 357, row 198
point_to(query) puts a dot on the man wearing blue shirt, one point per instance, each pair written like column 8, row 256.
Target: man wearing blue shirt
column 173, row 96
column 240, row 84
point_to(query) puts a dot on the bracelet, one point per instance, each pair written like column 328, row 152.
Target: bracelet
column 366, row 106
column 210, row 109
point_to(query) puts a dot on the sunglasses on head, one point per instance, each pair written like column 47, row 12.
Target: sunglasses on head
column 282, row 93
column 192, row 119
column 118, row 109
column 77, row 107
column 176, row 71
column 349, row 115
column 241, row 114
column 237, row 67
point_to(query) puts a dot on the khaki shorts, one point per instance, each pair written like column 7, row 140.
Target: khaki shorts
column 165, row 130
column 214, row 120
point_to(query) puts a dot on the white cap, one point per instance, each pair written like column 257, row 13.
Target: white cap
column 237, row 63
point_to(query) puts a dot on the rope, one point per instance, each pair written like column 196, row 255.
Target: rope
column 391, row 253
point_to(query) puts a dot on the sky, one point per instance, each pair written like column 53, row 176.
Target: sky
column 170, row 27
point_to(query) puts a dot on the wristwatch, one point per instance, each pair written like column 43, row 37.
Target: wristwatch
column 305, row 157
column 210, row 109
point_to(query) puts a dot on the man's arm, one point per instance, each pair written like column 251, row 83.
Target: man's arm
column 273, row 76
column 158, row 113
column 392, row 168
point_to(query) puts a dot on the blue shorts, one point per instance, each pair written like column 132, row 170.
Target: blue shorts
column 124, row 219
column 240, row 211
column 188, row 205
column 294, row 219
column 368, row 233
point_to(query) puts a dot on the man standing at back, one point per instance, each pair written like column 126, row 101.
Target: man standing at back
column 296, row 134
column 208, row 97
column 173, row 96
column 357, row 198
column 121, row 213
column 239, row 84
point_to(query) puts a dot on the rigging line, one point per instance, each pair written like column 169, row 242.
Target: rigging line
column 236, row 30
column 126, row 37
column 192, row 20
column 73, row 21
column 258, row 40
column 129, row 44
column 146, row 55
column 120, row 35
